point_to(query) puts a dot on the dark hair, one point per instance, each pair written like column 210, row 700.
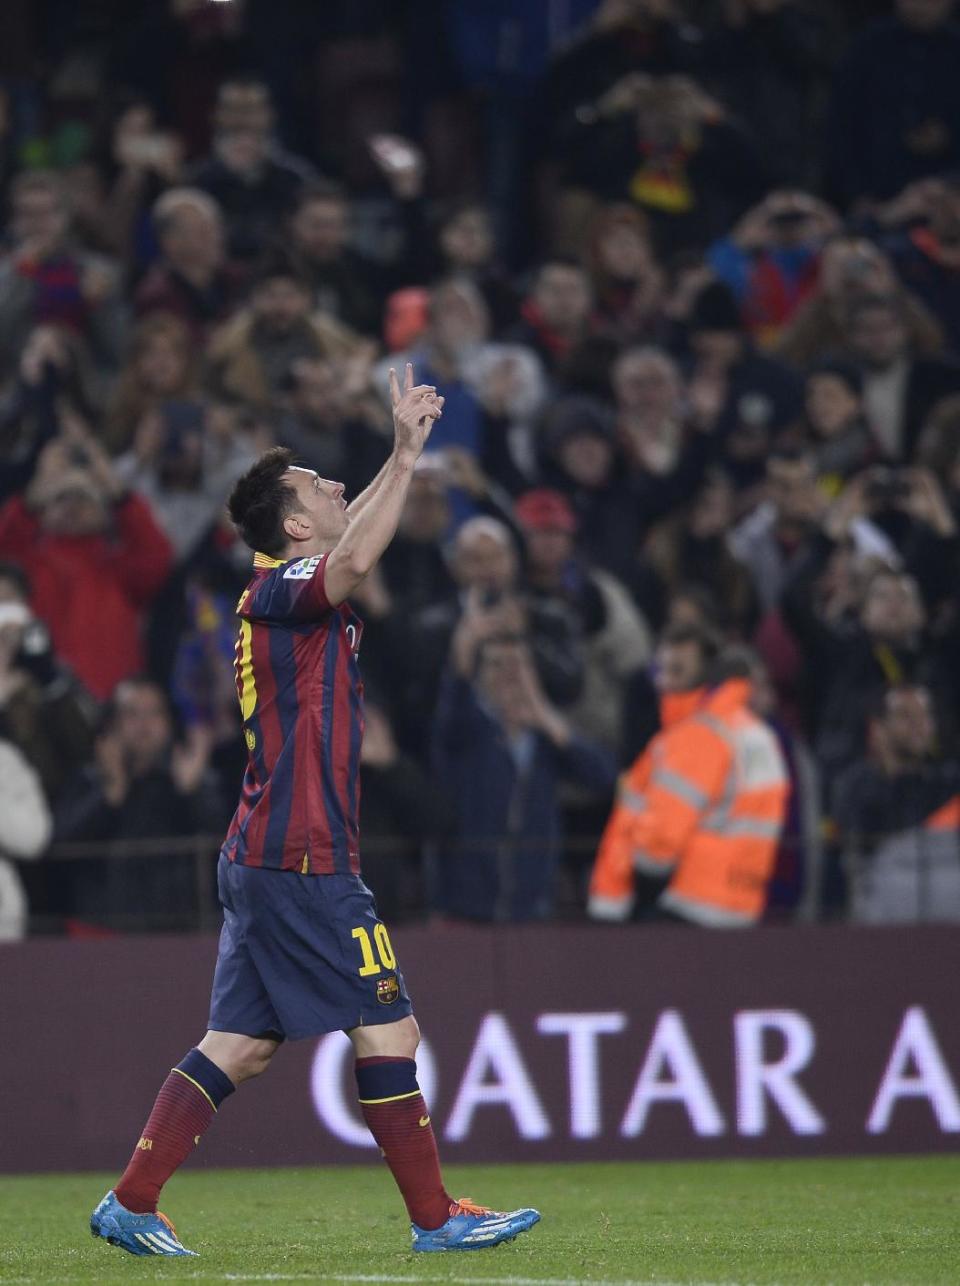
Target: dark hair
column 715, row 308
column 320, row 190
column 840, row 369
column 790, row 452
column 736, row 661
column 277, row 263
column 17, row 575
column 261, row 500
column 142, row 682
column 449, row 213
column 705, row 639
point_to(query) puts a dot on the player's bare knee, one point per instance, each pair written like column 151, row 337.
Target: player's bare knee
column 258, row 1058
column 240, row 1057
column 387, row 1040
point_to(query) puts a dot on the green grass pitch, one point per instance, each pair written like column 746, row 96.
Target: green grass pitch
column 813, row 1222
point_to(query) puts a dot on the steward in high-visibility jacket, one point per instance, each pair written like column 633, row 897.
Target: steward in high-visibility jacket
column 701, row 811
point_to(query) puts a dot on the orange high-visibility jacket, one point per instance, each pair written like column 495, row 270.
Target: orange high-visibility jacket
column 704, row 804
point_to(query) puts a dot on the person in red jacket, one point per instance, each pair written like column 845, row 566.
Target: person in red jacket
column 95, row 556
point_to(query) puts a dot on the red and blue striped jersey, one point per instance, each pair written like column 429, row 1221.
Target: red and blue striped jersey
column 302, row 703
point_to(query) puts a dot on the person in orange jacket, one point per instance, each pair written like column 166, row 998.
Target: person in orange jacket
column 699, row 815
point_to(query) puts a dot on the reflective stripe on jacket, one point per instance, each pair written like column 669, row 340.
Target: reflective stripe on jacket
column 703, row 805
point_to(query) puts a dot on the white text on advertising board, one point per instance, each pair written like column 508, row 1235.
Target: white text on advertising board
column 495, row 1076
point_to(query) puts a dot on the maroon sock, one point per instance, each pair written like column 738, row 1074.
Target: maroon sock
column 185, row 1106
column 397, row 1117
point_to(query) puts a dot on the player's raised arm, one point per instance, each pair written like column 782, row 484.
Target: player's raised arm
column 415, row 408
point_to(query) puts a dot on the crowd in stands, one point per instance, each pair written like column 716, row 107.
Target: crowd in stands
column 688, row 277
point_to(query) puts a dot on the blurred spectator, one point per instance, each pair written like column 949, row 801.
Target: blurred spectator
column 345, row 284
column 52, row 375
column 459, row 328
column 500, row 751
column 900, row 385
column 734, row 392
column 191, row 280
column 851, row 654
column 414, row 568
column 399, row 812
column 144, row 786
column 938, row 450
column 762, row 59
column 485, row 565
column 771, row 259
column 840, row 436
column 511, row 386
column 896, row 103
column 139, row 160
column 851, row 268
column 898, row 817
column 184, row 461
column 692, row 547
column 330, row 417
column 44, row 280
column 95, row 556
column 615, row 506
column 926, row 254
column 252, row 356
column 796, row 886
column 253, row 181
column 203, row 685
column 161, row 366
column 25, row 827
column 627, row 282
column 621, row 36
column 664, row 144
column 773, row 540
column 467, row 248
column 43, row 710
column 177, row 53
column 616, row 638
column 649, row 394
column 695, row 829
column 557, row 313
column 490, row 390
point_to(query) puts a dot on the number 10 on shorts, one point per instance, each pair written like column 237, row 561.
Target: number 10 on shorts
column 384, row 949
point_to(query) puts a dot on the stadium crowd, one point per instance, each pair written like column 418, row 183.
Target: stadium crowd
column 688, row 276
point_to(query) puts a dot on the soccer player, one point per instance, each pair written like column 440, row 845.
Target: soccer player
column 302, row 951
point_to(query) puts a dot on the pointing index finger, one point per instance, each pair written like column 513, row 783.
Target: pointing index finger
column 409, row 378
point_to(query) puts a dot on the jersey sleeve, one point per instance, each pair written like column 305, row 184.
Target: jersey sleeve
column 290, row 593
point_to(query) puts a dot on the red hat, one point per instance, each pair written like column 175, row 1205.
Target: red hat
column 543, row 510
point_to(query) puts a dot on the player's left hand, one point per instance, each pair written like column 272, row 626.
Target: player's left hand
column 415, row 409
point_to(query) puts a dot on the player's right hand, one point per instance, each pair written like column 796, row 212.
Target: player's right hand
column 415, row 409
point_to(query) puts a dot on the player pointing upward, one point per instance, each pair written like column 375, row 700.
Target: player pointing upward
column 302, row 951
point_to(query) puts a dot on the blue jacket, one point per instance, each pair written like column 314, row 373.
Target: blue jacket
column 501, row 863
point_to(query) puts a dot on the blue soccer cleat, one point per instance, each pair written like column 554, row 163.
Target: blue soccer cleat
column 472, row 1227
column 138, row 1234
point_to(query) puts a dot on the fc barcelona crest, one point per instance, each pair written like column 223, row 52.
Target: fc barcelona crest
column 388, row 990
